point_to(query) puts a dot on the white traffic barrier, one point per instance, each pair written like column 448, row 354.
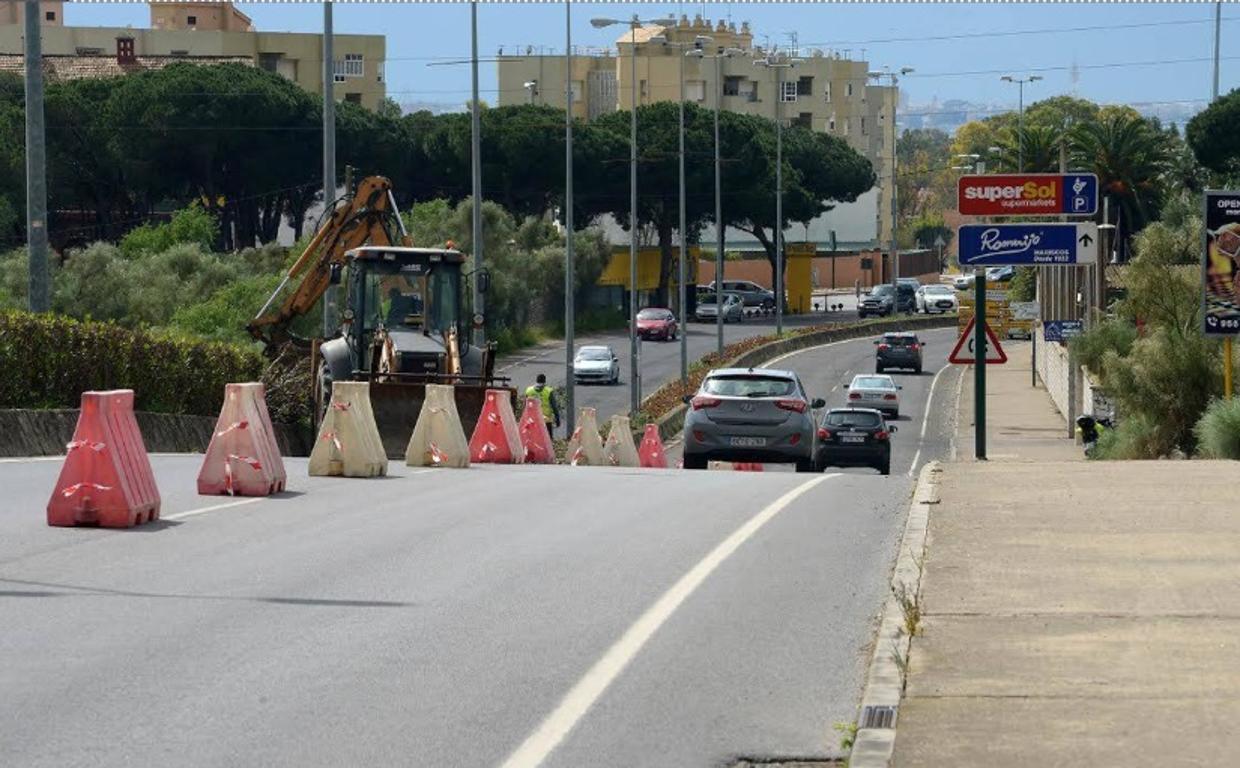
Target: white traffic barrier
column 438, row 439
column 585, row 447
column 619, row 450
column 348, row 443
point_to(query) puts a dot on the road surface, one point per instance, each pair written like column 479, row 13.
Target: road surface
column 499, row 616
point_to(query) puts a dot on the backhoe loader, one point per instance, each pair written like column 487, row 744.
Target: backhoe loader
column 403, row 325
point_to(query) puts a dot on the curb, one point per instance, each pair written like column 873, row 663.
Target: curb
column 875, row 741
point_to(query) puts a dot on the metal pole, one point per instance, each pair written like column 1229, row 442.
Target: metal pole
column 475, row 152
column 570, row 416
column 684, row 318
column 1218, row 22
column 39, row 286
column 635, row 390
column 979, row 364
column 895, row 191
column 719, row 225
column 1227, row 342
column 779, row 200
column 1020, row 128
column 329, row 153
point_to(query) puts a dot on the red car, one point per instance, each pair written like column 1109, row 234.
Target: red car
column 657, row 324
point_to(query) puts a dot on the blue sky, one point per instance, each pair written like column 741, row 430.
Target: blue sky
column 984, row 40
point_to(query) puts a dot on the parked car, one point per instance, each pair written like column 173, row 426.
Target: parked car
column 906, row 296
column 963, row 282
column 654, row 323
column 1000, row 274
column 936, row 298
column 750, row 414
column 875, row 391
column 751, row 293
column 854, row 437
column 881, row 301
column 733, row 308
column 898, row 350
column 597, row 365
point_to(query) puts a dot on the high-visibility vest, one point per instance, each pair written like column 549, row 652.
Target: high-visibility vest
column 544, row 395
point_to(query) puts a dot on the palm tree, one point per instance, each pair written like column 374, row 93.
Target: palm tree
column 1130, row 157
column 1038, row 144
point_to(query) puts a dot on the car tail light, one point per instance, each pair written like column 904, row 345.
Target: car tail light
column 881, row 435
column 824, row 433
column 889, row 397
column 884, row 347
column 701, row 402
column 914, row 347
column 791, row 405
column 854, row 395
column 795, row 439
column 699, row 435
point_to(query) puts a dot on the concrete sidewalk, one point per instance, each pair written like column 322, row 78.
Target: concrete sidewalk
column 1074, row 613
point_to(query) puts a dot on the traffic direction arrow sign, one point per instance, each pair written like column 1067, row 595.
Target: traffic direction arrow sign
column 963, row 353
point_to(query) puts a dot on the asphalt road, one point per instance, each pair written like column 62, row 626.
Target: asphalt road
column 514, row 616
column 660, row 360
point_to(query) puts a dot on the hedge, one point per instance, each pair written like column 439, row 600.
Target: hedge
column 47, row 361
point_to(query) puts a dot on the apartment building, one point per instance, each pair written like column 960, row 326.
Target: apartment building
column 823, row 90
column 207, row 31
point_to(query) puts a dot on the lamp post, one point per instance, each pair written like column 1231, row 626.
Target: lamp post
column 570, row 416
column 1020, row 118
column 635, row 387
column 895, row 103
column 475, row 154
column 778, row 63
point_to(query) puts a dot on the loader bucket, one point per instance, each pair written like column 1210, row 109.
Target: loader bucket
column 397, row 406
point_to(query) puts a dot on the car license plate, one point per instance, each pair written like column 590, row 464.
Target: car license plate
column 852, row 438
column 747, row 442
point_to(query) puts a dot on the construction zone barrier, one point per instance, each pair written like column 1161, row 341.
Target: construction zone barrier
column 535, row 438
column 106, row 479
column 438, row 439
column 650, row 453
column 619, row 450
column 585, row 447
column 496, row 438
column 348, row 443
column 243, row 458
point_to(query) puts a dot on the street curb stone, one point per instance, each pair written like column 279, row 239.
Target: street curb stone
column 875, row 741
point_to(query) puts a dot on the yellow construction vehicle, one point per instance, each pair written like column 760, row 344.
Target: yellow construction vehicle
column 403, row 325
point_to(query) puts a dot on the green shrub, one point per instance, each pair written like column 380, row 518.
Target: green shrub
column 1108, row 336
column 1136, row 437
column 1024, row 285
column 191, row 225
column 47, row 361
column 224, row 316
column 1218, row 430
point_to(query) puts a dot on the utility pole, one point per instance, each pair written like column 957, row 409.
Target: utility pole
column 1227, row 342
column 682, row 271
column 39, row 287
column 329, row 153
column 635, row 387
column 570, row 416
column 772, row 61
column 475, row 153
column 719, row 225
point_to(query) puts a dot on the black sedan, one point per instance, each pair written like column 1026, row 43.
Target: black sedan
column 854, row 437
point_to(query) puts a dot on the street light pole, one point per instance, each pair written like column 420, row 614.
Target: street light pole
column 570, row 416
column 38, row 287
column 1020, row 116
column 475, row 152
column 895, row 187
column 772, row 61
column 682, row 271
column 635, row 387
column 719, row 226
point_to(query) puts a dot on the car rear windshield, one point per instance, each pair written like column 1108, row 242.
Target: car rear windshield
column 873, row 382
column 749, row 386
column 899, row 341
column 851, row 419
column 654, row 314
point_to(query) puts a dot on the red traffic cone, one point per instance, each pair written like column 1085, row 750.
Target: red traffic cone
column 650, row 453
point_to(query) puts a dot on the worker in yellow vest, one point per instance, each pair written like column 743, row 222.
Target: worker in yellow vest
column 546, row 397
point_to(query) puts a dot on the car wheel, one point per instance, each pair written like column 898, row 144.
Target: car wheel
column 895, row 414
column 806, row 465
column 884, row 468
column 879, row 369
column 917, row 370
column 694, row 462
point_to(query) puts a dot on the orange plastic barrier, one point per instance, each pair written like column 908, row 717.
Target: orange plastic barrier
column 496, row 439
column 106, row 479
column 243, row 458
column 535, row 439
column 650, row 453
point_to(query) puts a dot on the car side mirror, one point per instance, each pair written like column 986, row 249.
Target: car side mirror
column 818, row 403
column 334, row 274
column 686, row 399
column 892, row 428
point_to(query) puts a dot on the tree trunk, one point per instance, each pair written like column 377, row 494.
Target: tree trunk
column 666, row 260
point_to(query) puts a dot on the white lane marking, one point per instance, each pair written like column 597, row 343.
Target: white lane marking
column 542, row 742
column 925, row 419
column 30, row 459
column 213, row 508
column 956, row 418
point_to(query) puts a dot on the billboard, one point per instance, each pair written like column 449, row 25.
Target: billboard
column 992, row 245
column 1220, row 266
column 1028, row 194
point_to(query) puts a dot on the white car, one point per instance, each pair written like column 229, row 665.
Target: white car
column 596, row 364
column 877, row 391
column 733, row 308
column 936, row 298
column 963, row 282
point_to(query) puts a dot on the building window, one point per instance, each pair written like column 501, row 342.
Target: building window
column 641, row 90
column 353, row 98
column 83, row 50
column 50, row 15
column 863, row 133
column 826, row 91
column 805, row 120
column 846, row 126
column 788, row 91
column 178, row 52
column 805, row 86
column 268, row 62
column 695, row 90
column 352, row 66
column 752, row 93
column 191, row 20
column 381, row 68
column 831, row 123
column 848, row 90
column 732, row 85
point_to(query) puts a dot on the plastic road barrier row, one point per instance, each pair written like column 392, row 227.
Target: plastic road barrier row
column 496, row 438
column 650, row 453
column 438, row 439
column 535, row 438
column 585, row 447
column 348, row 443
column 243, row 458
column 619, row 450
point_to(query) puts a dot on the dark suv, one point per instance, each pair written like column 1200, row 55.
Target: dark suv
column 885, row 299
column 854, row 437
column 898, row 350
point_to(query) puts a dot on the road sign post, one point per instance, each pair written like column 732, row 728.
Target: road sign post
column 979, row 366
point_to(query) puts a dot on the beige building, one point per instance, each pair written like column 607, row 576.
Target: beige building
column 213, row 30
column 822, row 90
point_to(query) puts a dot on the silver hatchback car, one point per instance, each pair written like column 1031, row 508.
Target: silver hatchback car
column 750, row 414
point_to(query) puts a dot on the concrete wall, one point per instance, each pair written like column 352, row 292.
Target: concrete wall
column 45, row 433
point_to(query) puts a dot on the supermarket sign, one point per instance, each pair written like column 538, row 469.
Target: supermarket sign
column 1028, row 194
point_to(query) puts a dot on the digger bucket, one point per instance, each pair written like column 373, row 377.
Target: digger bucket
column 397, row 405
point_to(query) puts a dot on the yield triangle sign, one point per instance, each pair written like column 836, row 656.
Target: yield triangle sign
column 963, row 353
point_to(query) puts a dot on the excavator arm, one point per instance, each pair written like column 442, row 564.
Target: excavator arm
column 370, row 217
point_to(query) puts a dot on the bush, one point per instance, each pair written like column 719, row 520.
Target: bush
column 1218, row 430
column 224, row 316
column 1134, row 438
column 1108, row 336
column 192, row 225
column 47, row 361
